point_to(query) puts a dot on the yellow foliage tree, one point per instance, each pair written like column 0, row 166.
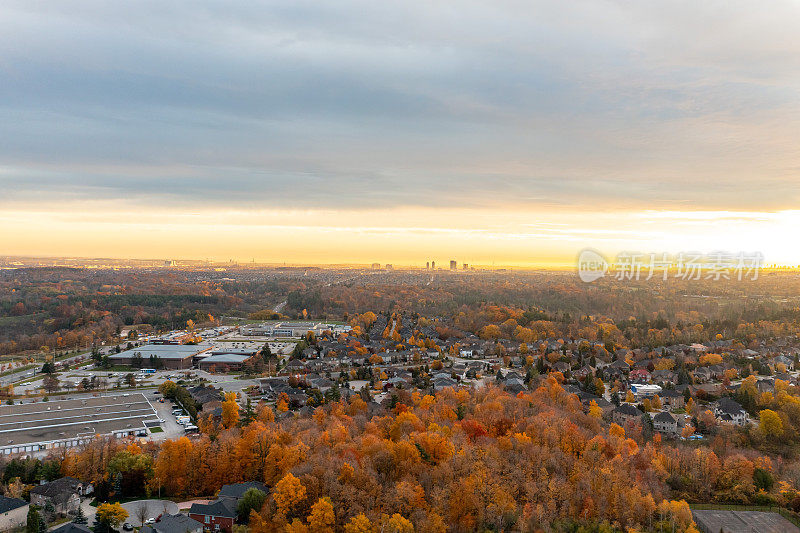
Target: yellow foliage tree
column 358, row 524
column 690, row 405
column 322, row 519
column 289, row 492
column 655, row 403
column 616, row 430
column 770, row 423
column 112, row 514
column 296, row 527
column 397, row 524
column 595, row 410
column 230, row 411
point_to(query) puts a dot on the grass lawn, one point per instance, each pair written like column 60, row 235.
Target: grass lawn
column 15, row 370
column 59, row 521
column 157, row 429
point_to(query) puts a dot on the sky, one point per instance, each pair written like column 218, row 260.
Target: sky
column 352, row 131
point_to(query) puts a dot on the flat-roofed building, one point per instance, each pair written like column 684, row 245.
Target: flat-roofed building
column 284, row 329
column 172, row 356
column 229, row 361
column 31, row 427
column 643, row 390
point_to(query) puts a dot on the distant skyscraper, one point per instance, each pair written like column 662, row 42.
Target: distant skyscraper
column 428, row 265
column 453, row 265
column 376, row 266
column 433, row 265
column 465, row 266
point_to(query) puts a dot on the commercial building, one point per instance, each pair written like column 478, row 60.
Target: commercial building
column 227, row 361
column 641, row 391
column 284, row 329
column 31, row 427
column 171, row 356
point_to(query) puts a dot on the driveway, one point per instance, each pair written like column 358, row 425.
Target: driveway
column 154, row 509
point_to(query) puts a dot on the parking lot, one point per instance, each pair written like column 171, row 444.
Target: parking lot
column 35, row 426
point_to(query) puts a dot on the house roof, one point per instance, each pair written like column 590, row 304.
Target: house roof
column 222, row 507
column 9, row 504
column 177, row 523
column 663, row 417
column 202, row 394
column 729, row 406
column 627, row 410
column 64, row 486
column 237, row 490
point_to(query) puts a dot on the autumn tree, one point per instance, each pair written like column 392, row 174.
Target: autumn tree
column 288, row 493
column 252, row 500
column 111, row 514
column 230, row 410
column 770, row 423
column 322, row 519
column 397, row 524
column 358, row 524
column 629, row 397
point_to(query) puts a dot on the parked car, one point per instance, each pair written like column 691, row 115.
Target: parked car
column 127, row 527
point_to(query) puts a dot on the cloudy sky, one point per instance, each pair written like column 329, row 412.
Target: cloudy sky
column 352, row 131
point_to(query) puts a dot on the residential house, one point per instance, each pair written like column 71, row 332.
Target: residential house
column 665, row 423
column 63, row 494
column 13, row 513
column 582, row 372
column 203, row 394
column 218, row 515
column 443, row 383
column 617, row 370
column 625, row 413
column 765, row 385
column 663, row 376
column 236, row 491
column 177, row 523
column 728, row 410
column 672, row 399
column 640, row 375
column 702, row 373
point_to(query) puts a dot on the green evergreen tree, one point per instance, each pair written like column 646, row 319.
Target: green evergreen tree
column 32, row 525
column 80, row 516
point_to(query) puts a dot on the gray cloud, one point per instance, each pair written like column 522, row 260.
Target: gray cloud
column 353, row 103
